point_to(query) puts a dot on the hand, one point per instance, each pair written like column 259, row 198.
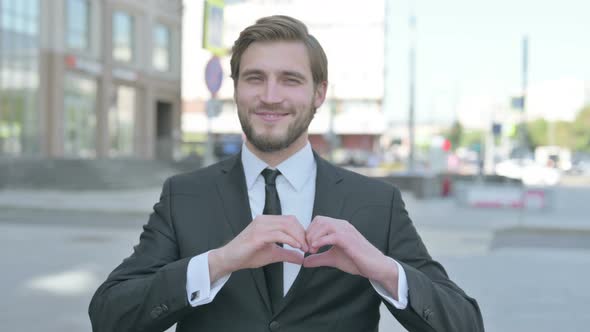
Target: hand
column 350, row 252
column 256, row 246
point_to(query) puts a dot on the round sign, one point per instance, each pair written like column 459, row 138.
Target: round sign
column 213, row 75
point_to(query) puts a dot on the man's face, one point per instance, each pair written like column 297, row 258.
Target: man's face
column 275, row 95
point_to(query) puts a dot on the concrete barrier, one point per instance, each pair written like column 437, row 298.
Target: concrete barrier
column 503, row 196
column 422, row 186
column 426, row 185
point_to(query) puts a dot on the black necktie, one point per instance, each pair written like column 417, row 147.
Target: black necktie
column 273, row 272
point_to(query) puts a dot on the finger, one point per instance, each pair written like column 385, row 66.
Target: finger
column 320, row 226
column 324, row 259
column 330, row 239
column 286, row 255
column 292, row 226
column 282, row 237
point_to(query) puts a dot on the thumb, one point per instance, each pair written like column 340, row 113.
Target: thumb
column 287, row 255
column 317, row 260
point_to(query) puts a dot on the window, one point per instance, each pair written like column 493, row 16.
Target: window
column 79, row 117
column 20, row 16
column 78, row 24
column 121, row 120
column 123, row 26
column 161, row 55
column 19, row 77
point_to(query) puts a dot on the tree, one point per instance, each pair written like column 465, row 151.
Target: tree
column 537, row 133
column 581, row 130
column 572, row 135
column 472, row 138
column 455, row 134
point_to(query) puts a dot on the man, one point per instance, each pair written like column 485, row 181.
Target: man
column 276, row 238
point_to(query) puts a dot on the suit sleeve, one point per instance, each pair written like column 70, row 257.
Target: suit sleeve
column 435, row 303
column 146, row 292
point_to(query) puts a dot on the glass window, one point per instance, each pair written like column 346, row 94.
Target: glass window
column 78, row 24
column 79, row 117
column 19, row 78
column 7, row 16
column 7, row 6
column 122, row 37
column 161, row 55
column 121, row 122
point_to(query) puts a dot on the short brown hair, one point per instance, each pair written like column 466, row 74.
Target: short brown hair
column 280, row 28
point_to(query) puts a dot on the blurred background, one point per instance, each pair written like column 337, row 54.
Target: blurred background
column 478, row 111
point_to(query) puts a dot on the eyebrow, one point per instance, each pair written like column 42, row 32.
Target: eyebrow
column 252, row 72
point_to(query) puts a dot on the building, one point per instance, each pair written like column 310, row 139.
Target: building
column 90, row 78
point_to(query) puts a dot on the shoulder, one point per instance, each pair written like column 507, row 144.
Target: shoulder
column 198, row 181
column 359, row 184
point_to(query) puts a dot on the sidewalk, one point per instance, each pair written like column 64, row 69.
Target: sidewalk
column 123, row 201
column 448, row 214
column 436, row 213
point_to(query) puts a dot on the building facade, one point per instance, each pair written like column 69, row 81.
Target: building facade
column 90, row 78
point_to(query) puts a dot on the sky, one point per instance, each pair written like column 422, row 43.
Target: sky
column 466, row 49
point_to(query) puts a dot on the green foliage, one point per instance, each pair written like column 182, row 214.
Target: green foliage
column 581, row 130
column 194, row 137
column 461, row 137
column 537, row 132
column 455, row 134
column 471, row 138
column 573, row 135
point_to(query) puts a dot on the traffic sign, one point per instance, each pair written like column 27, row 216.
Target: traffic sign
column 497, row 129
column 213, row 75
column 213, row 27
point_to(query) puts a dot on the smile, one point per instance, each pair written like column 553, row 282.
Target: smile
column 271, row 116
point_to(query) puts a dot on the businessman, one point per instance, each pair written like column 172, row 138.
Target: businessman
column 276, row 238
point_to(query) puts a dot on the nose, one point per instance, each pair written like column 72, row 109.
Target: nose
column 271, row 93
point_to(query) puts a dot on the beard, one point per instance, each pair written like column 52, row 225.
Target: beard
column 270, row 143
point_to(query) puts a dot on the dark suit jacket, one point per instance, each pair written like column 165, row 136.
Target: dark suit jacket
column 205, row 209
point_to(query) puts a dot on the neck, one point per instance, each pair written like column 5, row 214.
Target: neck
column 273, row 159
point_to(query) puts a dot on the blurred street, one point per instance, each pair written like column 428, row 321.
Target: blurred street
column 524, row 267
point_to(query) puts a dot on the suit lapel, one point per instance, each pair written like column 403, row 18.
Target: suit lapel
column 233, row 192
column 328, row 202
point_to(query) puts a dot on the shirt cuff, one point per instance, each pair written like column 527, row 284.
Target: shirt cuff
column 199, row 289
column 402, row 289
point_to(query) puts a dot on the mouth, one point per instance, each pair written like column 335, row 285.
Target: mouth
column 271, row 116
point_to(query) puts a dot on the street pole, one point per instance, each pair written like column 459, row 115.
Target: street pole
column 412, row 92
column 331, row 134
column 525, row 60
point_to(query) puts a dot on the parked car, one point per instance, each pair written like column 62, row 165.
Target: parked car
column 529, row 172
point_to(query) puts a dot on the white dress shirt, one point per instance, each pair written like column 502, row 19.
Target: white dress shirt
column 296, row 189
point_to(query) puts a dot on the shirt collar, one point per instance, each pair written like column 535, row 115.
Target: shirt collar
column 296, row 169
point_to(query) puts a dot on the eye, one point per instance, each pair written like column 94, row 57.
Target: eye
column 253, row 79
column 292, row 81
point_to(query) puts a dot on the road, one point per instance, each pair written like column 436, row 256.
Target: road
column 523, row 278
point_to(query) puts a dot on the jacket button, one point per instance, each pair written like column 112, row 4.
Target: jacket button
column 156, row 312
column 274, row 326
column 426, row 313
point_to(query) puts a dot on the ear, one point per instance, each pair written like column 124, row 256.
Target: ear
column 320, row 94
